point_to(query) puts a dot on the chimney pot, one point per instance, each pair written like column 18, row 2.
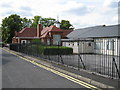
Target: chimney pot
column 39, row 29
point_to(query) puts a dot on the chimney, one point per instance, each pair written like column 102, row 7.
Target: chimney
column 103, row 25
column 39, row 29
column 16, row 33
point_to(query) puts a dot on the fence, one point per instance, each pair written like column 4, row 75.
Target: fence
column 103, row 57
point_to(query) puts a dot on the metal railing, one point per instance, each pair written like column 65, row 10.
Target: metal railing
column 101, row 56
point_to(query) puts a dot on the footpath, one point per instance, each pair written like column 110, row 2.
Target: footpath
column 97, row 80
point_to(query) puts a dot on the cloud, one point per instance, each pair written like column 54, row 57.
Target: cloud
column 78, row 11
column 113, row 5
column 25, row 8
column 6, row 5
column 25, row 14
column 21, row 13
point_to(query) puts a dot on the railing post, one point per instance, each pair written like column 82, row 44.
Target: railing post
column 118, row 54
column 112, row 58
column 58, row 53
column 78, row 63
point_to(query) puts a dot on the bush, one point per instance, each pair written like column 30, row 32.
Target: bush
column 36, row 41
column 41, row 50
column 50, row 50
column 58, row 51
column 2, row 44
column 14, row 47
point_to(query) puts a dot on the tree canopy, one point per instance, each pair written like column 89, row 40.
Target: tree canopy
column 35, row 21
column 46, row 22
column 65, row 24
column 9, row 26
column 26, row 22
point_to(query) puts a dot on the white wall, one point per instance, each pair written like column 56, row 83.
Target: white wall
column 72, row 45
column 83, row 47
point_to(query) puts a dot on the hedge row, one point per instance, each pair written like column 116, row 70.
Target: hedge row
column 44, row 50
column 14, row 47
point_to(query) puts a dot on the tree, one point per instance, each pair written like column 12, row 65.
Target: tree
column 46, row 22
column 35, row 21
column 65, row 24
column 9, row 26
column 26, row 22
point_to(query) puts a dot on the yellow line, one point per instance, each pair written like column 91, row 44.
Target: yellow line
column 57, row 72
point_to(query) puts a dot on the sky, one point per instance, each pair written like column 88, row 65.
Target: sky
column 80, row 13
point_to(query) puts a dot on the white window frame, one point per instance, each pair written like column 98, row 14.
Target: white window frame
column 23, row 41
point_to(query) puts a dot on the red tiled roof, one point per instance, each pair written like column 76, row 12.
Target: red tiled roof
column 32, row 32
column 27, row 32
column 53, row 28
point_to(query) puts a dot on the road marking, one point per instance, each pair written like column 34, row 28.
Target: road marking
column 57, row 72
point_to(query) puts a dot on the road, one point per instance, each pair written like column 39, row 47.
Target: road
column 18, row 73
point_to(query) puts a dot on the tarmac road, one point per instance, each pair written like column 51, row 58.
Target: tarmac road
column 17, row 73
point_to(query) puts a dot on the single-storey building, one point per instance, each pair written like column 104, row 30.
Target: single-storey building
column 49, row 35
column 98, row 39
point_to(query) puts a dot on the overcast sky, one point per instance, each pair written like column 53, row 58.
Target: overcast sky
column 81, row 13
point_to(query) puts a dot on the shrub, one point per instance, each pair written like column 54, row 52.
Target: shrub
column 54, row 50
column 14, row 47
column 41, row 49
column 2, row 44
column 36, row 41
column 50, row 50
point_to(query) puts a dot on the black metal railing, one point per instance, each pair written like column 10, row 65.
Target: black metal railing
column 101, row 56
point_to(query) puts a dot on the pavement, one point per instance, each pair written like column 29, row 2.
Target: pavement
column 97, row 80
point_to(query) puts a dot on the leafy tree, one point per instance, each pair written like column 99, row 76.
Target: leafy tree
column 65, row 24
column 9, row 26
column 26, row 22
column 35, row 21
column 46, row 22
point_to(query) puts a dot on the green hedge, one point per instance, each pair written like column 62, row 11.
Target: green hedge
column 50, row 50
column 58, row 51
column 41, row 50
column 14, row 47
column 2, row 44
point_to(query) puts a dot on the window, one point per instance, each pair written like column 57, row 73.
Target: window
column 48, row 41
column 109, row 45
column 69, row 43
column 89, row 44
column 56, row 39
column 73, row 43
column 100, row 45
column 28, row 41
column 23, row 41
column 78, row 43
column 97, row 46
